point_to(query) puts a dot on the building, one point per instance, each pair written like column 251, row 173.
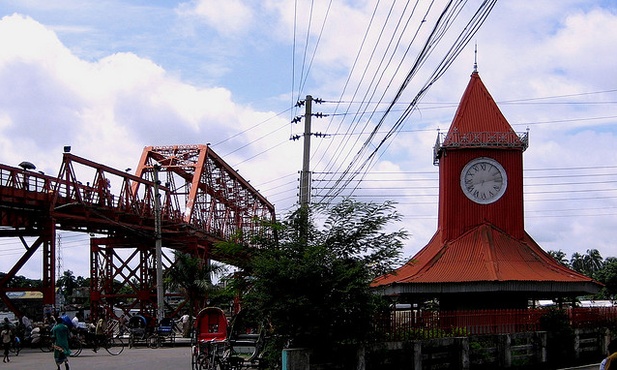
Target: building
column 480, row 256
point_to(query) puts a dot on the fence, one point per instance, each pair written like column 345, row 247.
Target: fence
column 422, row 324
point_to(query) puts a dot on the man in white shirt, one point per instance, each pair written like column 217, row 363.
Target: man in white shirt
column 26, row 322
column 185, row 325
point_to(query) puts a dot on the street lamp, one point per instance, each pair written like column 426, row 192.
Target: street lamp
column 25, row 165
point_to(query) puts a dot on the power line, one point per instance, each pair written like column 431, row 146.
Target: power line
column 359, row 166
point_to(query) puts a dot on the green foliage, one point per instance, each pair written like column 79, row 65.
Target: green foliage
column 313, row 285
column 608, row 276
column 560, row 256
column 193, row 277
column 67, row 283
column 483, row 350
column 587, row 264
column 560, row 335
column 459, row 332
column 19, row 281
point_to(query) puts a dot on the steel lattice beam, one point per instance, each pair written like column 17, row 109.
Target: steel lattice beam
column 203, row 201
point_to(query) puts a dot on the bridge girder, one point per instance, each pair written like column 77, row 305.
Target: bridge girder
column 203, row 201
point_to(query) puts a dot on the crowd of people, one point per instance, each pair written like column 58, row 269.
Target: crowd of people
column 60, row 327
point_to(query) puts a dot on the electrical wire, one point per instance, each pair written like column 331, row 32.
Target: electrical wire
column 359, row 165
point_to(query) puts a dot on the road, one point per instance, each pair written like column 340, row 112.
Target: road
column 585, row 367
column 139, row 358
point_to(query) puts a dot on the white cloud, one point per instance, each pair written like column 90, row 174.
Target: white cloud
column 116, row 88
column 229, row 17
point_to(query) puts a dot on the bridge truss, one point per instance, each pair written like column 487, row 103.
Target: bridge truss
column 202, row 201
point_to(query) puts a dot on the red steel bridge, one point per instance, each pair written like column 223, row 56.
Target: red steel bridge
column 202, row 201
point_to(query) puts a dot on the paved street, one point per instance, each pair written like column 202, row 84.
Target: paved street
column 586, row 367
column 140, row 358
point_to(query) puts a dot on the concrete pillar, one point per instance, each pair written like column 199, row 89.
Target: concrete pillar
column 540, row 350
column 577, row 343
column 504, row 350
column 296, row 359
column 361, row 355
column 462, row 344
column 417, row 356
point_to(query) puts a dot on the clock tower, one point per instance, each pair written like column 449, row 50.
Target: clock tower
column 480, row 168
column 480, row 257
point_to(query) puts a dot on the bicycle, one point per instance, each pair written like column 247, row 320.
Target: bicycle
column 112, row 344
column 45, row 343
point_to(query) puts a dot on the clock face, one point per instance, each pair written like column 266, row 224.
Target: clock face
column 483, row 180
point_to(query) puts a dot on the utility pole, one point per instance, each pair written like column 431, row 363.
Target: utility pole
column 305, row 175
column 160, row 291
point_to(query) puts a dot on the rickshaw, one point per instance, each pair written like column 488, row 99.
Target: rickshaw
column 217, row 345
column 165, row 332
column 141, row 329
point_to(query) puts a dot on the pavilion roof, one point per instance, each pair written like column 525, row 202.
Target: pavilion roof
column 482, row 254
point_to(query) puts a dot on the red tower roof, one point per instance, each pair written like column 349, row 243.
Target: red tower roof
column 478, row 122
column 478, row 112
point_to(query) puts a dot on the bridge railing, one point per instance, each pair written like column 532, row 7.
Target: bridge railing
column 210, row 200
column 107, row 188
column 18, row 179
column 406, row 324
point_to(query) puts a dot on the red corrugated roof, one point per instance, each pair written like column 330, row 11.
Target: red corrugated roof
column 478, row 112
column 484, row 253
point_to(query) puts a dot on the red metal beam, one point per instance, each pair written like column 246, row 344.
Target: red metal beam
column 203, row 201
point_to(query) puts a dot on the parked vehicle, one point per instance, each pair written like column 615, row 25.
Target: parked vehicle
column 80, row 339
column 219, row 346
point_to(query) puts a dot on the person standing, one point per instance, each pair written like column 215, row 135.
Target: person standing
column 75, row 322
column 60, row 336
column 27, row 323
column 123, row 322
column 7, row 337
column 185, row 325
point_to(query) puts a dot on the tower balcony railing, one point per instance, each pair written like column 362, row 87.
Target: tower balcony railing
column 484, row 139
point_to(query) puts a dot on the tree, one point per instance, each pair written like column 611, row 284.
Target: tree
column 608, row 276
column 19, row 281
column 587, row 264
column 193, row 276
column 593, row 261
column 577, row 262
column 560, row 256
column 67, row 283
column 313, row 285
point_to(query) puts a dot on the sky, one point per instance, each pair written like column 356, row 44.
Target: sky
column 111, row 77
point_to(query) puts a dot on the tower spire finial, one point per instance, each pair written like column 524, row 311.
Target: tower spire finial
column 475, row 58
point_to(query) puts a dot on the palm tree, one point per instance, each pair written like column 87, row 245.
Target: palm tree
column 560, row 256
column 67, row 283
column 589, row 263
column 578, row 262
column 593, row 261
column 193, row 277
